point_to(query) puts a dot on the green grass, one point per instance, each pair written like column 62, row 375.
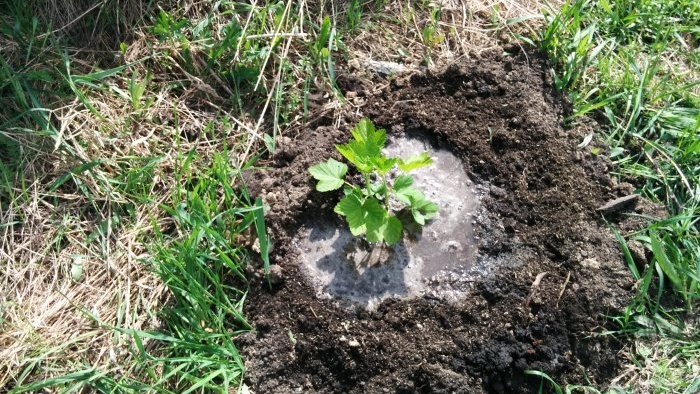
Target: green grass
column 146, row 221
column 628, row 76
column 125, row 221
column 632, row 65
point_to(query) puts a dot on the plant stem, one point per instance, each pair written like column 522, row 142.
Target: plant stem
column 386, row 192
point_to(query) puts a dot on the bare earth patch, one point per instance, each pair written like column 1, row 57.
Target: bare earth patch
column 555, row 269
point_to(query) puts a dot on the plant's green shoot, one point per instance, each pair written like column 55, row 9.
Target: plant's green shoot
column 368, row 209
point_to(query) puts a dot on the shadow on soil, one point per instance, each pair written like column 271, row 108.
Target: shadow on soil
column 552, row 269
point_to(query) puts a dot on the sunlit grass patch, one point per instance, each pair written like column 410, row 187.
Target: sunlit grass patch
column 92, row 155
column 628, row 76
column 634, row 66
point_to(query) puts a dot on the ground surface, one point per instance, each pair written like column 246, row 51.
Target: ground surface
column 557, row 269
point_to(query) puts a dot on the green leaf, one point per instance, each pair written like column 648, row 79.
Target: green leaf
column 377, row 188
column 664, row 262
column 407, row 194
column 364, row 150
column 73, row 172
column 329, row 175
column 422, row 209
column 388, row 230
column 421, row 215
column 402, row 182
column 261, row 232
column 426, row 210
column 365, row 132
column 391, row 230
column 415, row 162
column 76, row 270
column 356, row 153
column 384, row 164
column 361, row 215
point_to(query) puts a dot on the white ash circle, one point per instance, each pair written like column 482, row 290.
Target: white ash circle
column 339, row 265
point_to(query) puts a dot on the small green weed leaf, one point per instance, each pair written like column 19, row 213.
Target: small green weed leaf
column 269, row 142
column 73, row 172
column 361, row 215
column 402, row 182
column 415, row 162
column 329, row 175
column 263, row 238
column 76, row 269
column 626, row 252
column 614, row 152
column 323, row 35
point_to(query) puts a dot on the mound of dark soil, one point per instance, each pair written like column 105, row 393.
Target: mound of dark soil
column 558, row 269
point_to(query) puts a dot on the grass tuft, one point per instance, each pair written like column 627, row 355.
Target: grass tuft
column 631, row 65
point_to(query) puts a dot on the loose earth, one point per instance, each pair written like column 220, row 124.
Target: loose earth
column 551, row 271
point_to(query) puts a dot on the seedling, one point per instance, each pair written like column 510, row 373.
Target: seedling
column 371, row 207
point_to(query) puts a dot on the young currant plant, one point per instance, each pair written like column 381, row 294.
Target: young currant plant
column 370, row 208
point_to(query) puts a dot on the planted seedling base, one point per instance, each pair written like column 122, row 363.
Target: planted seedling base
column 361, row 274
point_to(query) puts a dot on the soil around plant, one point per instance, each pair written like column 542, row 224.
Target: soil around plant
column 556, row 272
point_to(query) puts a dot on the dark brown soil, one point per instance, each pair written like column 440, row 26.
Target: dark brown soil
column 500, row 115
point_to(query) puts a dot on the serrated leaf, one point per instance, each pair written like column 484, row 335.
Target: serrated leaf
column 389, row 230
column 356, row 153
column 408, row 194
column 364, row 150
column 392, row 230
column 365, row 132
column 329, row 175
column 415, row 162
column 422, row 209
column 426, row 211
column 418, row 217
column 377, row 188
column 361, row 215
column 384, row 164
column 402, row 182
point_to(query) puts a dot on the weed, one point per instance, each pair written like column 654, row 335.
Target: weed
column 354, row 14
column 430, row 34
